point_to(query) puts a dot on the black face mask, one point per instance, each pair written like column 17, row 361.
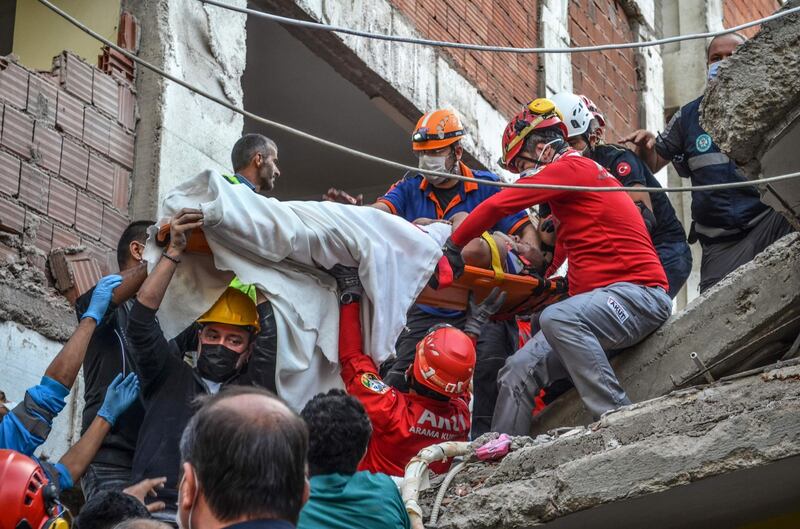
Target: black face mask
column 217, row 363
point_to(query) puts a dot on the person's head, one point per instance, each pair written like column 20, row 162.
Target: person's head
column 226, row 335
column 338, row 430
column 141, row 523
column 130, row 248
column 243, row 457
column 28, row 499
column 582, row 125
column 106, row 509
column 443, row 364
column 522, row 247
column 533, row 138
column 436, row 141
column 255, row 157
column 720, row 48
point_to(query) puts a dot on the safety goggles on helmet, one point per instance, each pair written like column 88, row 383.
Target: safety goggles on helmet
column 423, row 135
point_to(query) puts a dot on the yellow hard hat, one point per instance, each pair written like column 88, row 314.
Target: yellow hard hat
column 233, row 307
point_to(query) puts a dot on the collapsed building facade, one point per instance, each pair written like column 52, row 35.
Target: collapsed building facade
column 91, row 141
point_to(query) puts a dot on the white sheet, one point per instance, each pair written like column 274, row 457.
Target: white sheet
column 280, row 246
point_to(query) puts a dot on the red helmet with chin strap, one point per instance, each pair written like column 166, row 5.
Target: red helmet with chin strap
column 539, row 114
column 445, row 361
column 27, row 498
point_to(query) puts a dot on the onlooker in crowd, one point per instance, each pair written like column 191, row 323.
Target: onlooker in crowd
column 584, row 134
column 27, row 426
column 436, row 140
column 243, row 463
column 107, row 356
column 228, row 353
column 616, row 281
column 436, row 408
column 341, row 497
column 107, row 508
column 255, row 161
column 142, row 523
column 732, row 225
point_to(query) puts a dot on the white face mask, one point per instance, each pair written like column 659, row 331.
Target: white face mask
column 539, row 165
column 434, row 163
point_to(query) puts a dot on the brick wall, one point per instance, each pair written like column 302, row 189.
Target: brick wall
column 66, row 152
column 736, row 12
column 608, row 78
column 507, row 81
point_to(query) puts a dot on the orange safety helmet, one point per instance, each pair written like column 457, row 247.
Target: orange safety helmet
column 233, row 307
column 437, row 129
column 539, row 114
column 27, row 498
column 445, row 361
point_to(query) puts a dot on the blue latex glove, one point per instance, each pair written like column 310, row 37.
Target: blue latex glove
column 120, row 395
column 101, row 297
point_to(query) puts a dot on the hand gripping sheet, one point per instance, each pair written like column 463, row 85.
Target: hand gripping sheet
column 280, row 247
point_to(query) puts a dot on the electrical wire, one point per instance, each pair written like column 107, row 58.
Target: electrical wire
column 390, row 163
column 497, row 49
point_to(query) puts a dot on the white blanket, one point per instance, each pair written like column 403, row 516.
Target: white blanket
column 280, row 247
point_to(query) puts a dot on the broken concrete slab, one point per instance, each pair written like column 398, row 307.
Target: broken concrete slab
column 732, row 430
column 756, row 306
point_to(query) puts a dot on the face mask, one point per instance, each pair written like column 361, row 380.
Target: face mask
column 435, row 163
column 217, row 363
column 713, row 69
column 539, row 165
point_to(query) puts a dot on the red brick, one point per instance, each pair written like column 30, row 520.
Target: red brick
column 9, row 174
column 34, row 188
column 74, row 163
column 69, row 114
column 17, row 132
column 105, row 256
column 96, row 130
column 12, row 217
column 105, row 95
column 63, row 238
column 13, row 84
column 42, row 99
column 76, row 76
column 89, row 216
column 101, row 178
column 47, row 147
column 63, row 199
column 113, row 225
column 121, row 189
column 121, row 146
column 126, row 109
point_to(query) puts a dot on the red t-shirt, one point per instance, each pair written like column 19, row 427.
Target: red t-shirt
column 602, row 234
column 402, row 424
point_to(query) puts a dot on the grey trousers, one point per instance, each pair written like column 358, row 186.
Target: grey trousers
column 576, row 336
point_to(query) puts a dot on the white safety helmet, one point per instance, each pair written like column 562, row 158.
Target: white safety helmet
column 577, row 117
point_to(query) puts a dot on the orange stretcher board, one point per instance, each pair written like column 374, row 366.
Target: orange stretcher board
column 525, row 294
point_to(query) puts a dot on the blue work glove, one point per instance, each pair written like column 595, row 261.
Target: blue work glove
column 120, row 395
column 101, row 297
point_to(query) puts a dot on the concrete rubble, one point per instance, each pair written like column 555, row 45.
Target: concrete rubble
column 729, row 430
column 752, row 313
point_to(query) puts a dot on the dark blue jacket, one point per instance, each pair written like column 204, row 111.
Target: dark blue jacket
column 695, row 155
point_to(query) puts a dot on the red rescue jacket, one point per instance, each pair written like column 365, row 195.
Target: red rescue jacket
column 402, row 423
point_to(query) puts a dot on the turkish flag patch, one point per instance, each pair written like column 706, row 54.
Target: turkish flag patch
column 623, row 169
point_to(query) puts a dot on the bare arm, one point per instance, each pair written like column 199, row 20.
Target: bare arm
column 65, row 366
column 132, row 280
column 643, row 143
column 78, row 457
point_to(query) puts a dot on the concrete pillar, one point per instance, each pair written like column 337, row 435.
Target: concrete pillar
column 180, row 133
column 554, row 24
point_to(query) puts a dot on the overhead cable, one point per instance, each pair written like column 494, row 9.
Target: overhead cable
column 377, row 159
column 486, row 47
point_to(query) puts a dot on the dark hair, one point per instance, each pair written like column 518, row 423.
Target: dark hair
column 248, row 146
column 136, row 231
column 734, row 34
column 106, row 509
column 246, row 463
column 142, row 523
column 545, row 135
column 338, row 430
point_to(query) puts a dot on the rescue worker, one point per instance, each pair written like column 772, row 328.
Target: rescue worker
column 436, row 407
column 229, row 353
column 29, row 498
column 423, row 199
column 732, row 225
column 617, row 285
column 584, row 134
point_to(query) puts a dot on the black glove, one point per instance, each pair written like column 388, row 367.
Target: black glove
column 348, row 282
column 449, row 267
column 479, row 313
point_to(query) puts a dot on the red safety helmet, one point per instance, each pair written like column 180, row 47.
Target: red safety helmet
column 27, row 498
column 539, row 114
column 445, row 361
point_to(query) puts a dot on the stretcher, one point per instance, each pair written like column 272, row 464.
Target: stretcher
column 525, row 293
